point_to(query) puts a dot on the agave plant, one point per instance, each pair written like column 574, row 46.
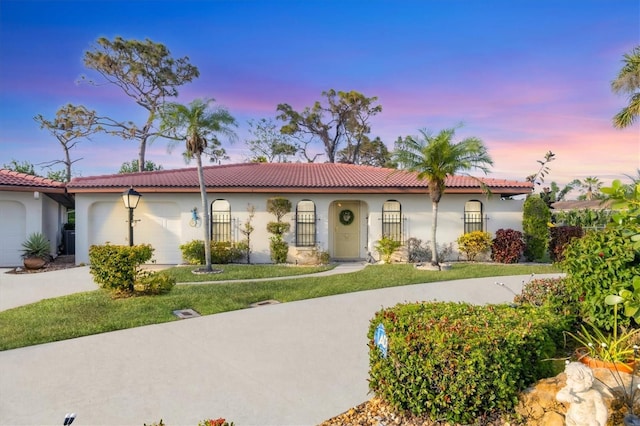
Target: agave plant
column 36, row 245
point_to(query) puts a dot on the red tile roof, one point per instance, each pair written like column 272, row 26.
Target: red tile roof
column 14, row 181
column 286, row 177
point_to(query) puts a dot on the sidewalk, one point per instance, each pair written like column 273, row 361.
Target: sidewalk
column 296, row 363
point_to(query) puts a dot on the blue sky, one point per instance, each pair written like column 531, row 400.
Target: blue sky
column 524, row 76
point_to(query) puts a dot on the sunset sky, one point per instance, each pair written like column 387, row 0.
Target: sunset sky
column 526, row 77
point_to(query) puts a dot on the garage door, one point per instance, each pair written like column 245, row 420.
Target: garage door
column 13, row 229
column 157, row 223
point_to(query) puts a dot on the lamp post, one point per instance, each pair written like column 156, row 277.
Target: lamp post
column 131, row 197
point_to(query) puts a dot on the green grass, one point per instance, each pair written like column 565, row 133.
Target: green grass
column 96, row 312
column 183, row 274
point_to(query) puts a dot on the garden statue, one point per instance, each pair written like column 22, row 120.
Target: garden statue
column 586, row 405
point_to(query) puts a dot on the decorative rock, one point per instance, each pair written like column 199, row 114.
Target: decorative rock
column 537, row 404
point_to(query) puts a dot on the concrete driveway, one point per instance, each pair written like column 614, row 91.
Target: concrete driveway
column 297, row 363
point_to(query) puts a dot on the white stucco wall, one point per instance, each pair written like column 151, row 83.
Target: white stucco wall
column 21, row 214
column 163, row 220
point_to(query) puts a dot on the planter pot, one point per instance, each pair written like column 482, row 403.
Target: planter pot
column 623, row 367
column 34, row 262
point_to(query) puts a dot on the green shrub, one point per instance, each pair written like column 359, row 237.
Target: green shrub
column 222, row 252
column 279, row 207
column 597, row 265
column 508, row 246
column 193, row 252
column 278, row 228
column 560, row 237
column 386, row 247
column 153, row 283
column 474, row 243
column 584, row 218
column 549, row 292
column 279, row 249
column 116, row 267
column 535, row 219
column 455, row 362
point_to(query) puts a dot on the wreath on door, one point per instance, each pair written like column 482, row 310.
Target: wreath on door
column 346, row 217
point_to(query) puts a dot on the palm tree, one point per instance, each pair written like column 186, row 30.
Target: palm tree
column 590, row 188
column 628, row 82
column 435, row 158
column 198, row 125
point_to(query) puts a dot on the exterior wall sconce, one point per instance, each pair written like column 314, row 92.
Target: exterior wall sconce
column 130, row 198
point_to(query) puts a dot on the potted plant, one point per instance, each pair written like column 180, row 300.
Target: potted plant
column 598, row 349
column 36, row 251
column 616, row 351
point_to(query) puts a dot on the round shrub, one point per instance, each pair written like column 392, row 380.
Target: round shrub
column 474, row 243
column 508, row 246
column 456, row 362
column 115, row 267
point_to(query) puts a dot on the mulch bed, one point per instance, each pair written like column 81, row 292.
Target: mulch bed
column 376, row 412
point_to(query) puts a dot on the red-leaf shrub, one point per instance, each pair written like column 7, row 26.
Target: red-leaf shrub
column 508, row 246
column 560, row 237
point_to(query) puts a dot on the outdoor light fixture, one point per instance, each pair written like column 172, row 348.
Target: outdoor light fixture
column 130, row 198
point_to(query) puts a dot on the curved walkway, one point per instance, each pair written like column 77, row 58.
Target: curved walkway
column 296, row 363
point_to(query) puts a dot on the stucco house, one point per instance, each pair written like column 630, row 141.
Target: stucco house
column 342, row 209
column 30, row 204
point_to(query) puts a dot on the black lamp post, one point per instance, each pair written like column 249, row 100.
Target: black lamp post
column 131, row 197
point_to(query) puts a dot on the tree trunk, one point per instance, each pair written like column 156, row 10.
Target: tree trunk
column 141, row 152
column 67, row 163
column 434, row 228
column 205, row 213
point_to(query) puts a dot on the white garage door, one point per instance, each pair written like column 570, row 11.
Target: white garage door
column 13, row 232
column 157, row 223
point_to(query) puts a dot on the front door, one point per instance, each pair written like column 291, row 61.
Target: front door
column 346, row 230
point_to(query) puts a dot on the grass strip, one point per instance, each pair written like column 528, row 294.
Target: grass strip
column 95, row 312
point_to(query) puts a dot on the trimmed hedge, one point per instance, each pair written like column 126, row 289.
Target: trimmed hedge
column 457, row 362
column 222, row 252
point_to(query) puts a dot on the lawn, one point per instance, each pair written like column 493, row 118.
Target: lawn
column 96, row 312
column 183, row 274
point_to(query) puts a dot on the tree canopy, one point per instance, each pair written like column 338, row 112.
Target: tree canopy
column 147, row 73
column 133, row 167
column 71, row 125
column 342, row 120
column 268, row 143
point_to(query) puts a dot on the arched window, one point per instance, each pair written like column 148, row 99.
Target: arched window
column 473, row 216
column 392, row 220
column 220, row 221
column 305, row 224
